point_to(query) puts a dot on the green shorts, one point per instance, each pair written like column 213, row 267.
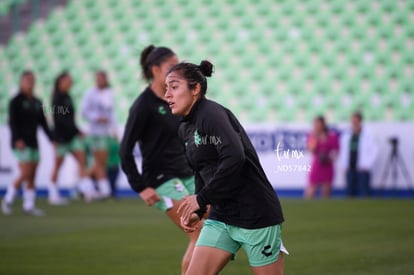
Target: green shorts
column 27, row 154
column 174, row 189
column 99, row 143
column 262, row 245
column 76, row 144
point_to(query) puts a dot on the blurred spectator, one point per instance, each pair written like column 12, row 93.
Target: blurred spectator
column 98, row 109
column 359, row 152
column 324, row 147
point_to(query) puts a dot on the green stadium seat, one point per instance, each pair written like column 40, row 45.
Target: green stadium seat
column 272, row 59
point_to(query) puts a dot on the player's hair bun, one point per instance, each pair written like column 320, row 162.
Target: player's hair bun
column 206, row 68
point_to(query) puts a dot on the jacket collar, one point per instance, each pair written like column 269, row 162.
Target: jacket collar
column 194, row 109
column 154, row 96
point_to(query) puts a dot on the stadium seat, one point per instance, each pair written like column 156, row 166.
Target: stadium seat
column 282, row 60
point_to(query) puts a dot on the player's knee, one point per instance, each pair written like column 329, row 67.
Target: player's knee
column 25, row 176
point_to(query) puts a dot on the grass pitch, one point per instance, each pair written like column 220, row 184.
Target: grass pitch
column 126, row 237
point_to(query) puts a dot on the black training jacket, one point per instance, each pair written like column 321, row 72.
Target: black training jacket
column 228, row 174
column 155, row 128
column 65, row 128
column 25, row 115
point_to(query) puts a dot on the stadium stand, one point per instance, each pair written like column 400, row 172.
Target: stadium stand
column 275, row 60
column 6, row 5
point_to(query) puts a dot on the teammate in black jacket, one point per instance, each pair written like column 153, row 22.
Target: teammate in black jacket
column 245, row 210
column 166, row 177
column 68, row 140
column 25, row 116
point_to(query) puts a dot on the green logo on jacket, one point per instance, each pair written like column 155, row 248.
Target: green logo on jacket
column 26, row 104
column 162, row 110
column 197, row 138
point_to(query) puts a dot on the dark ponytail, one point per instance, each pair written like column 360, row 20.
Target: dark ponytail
column 153, row 56
column 146, row 71
column 194, row 74
column 56, row 84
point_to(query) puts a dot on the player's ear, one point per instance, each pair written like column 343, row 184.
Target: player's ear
column 155, row 70
column 197, row 89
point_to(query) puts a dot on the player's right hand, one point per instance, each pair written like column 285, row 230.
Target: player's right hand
column 149, row 196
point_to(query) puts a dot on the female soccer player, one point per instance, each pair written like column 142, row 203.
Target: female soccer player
column 245, row 210
column 324, row 147
column 68, row 139
column 98, row 109
column 166, row 176
column 25, row 116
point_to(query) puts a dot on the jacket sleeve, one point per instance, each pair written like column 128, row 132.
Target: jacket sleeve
column 231, row 157
column 198, row 187
column 133, row 132
column 13, row 119
column 44, row 125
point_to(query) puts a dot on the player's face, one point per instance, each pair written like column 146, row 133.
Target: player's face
column 179, row 97
column 162, row 70
column 65, row 84
column 27, row 84
column 101, row 80
column 356, row 124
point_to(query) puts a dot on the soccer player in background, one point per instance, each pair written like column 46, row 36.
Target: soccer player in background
column 98, row 109
column 25, row 116
column 68, row 140
column 245, row 210
column 166, row 177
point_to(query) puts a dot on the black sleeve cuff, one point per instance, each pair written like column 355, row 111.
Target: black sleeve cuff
column 200, row 212
column 202, row 200
column 137, row 187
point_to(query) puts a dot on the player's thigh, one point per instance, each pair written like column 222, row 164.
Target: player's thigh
column 208, row 260
column 175, row 218
column 215, row 248
column 80, row 157
column 100, row 156
column 275, row 268
column 172, row 212
column 24, row 168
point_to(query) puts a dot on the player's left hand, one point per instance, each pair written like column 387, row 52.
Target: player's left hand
column 187, row 208
column 191, row 225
